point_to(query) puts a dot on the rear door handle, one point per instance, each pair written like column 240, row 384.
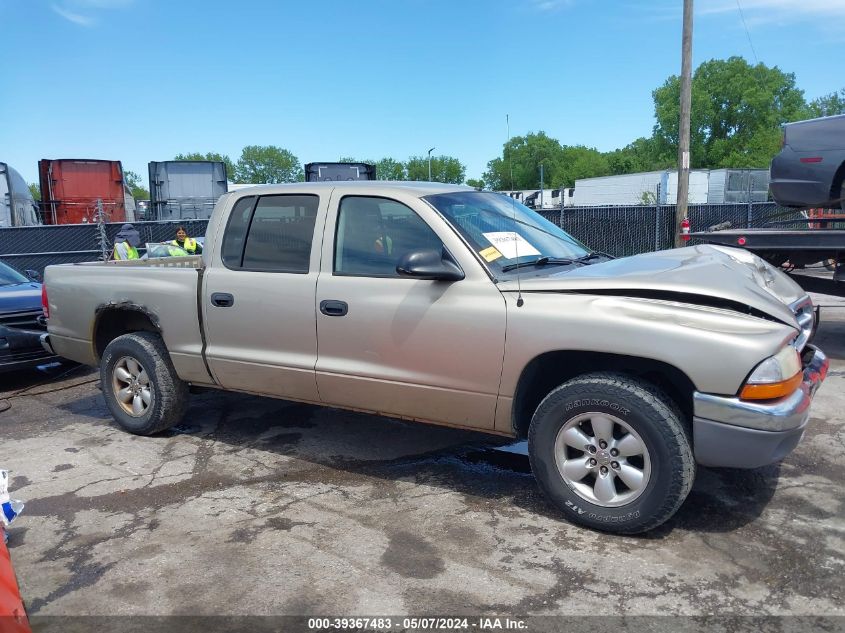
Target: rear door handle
column 222, row 299
column 334, row 308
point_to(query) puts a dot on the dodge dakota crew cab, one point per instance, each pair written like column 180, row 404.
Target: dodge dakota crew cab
column 447, row 305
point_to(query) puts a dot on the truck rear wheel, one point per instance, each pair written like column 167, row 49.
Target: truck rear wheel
column 141, row 387
column 611, row 452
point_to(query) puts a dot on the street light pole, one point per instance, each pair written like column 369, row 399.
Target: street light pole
column 541, row 185
column 429, row 163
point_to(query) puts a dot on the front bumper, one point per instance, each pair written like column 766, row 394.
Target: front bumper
column 22, row 349
column 735, row 433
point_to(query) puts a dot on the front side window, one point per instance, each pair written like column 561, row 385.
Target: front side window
column 274, row 236
column 373, row 234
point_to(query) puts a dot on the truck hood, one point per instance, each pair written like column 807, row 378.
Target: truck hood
column 703, row 275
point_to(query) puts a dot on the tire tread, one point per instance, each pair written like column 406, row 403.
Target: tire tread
column 670, row 423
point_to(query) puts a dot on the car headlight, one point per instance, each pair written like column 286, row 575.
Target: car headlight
column 775, row 377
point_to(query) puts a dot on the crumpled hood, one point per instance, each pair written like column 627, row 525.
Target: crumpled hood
column 710, row 271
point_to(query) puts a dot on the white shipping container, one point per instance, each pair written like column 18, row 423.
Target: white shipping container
column 735, row 185
column 646, row 188
column 625, row 189
column 699, row 182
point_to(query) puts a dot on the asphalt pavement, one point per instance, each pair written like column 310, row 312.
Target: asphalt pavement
column 261, row 506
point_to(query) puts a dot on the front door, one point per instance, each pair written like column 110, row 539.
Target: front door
column 428, row 350
column 258, row 297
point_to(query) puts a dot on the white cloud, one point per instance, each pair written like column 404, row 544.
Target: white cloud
column 776, row 10
column 76, row 18
column 103, row 4
column 83, row 12
column 551, row 5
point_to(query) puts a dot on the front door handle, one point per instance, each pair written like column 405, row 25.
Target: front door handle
column 334, row 308
column 222, row 299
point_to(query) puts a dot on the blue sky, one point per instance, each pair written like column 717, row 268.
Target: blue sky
column 142, row 80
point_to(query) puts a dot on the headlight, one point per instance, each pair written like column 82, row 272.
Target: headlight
column 775, row 377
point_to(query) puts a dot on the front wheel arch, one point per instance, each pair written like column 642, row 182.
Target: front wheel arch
column 547, row 371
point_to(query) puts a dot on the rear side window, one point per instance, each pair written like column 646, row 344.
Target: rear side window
column 280, row 234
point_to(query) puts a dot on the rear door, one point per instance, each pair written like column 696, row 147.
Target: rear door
column 428, row 350
column 259, row 294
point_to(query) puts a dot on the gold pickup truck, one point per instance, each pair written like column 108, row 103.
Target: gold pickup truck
column 447, row 305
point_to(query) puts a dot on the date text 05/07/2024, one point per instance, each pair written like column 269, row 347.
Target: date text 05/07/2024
column 418, row 623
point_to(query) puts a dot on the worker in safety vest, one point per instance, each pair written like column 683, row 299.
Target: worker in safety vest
column 126, row 243
column 187, row 244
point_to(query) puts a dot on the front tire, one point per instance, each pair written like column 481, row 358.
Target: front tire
column 141, row 387
column 611, row 451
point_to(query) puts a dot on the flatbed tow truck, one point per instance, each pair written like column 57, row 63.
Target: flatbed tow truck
column 792, row 248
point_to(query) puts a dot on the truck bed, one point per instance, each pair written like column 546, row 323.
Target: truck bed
column 165, row 289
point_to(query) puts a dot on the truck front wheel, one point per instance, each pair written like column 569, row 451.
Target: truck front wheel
column 141, row 387
column 611, row 451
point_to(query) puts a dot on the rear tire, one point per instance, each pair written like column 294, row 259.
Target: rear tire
column 141, row 387
column 611, row 451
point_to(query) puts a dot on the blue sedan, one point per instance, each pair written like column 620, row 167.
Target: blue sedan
column 21, row 322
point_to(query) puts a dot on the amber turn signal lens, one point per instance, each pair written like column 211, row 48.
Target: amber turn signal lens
column 772, row 390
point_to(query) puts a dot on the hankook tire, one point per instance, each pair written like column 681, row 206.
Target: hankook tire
column 612, row 451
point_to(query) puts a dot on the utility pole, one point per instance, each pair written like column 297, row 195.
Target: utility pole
column 684, row 127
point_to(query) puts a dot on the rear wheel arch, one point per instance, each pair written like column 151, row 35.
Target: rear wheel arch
column 113, row 321
column 546, row 372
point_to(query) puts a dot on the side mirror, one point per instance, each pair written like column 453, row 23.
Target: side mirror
column 34, row 275
column 429, row 264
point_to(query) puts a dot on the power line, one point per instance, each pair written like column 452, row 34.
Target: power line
column 747, row 32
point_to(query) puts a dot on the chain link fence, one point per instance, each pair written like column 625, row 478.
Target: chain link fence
column 36, row 247
column 618, row 230
column 630, row 230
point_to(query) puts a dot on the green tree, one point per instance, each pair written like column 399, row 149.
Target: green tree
column 519, row 165
column 267, row 164
column 391, row 169
column 478, row 183
column 736, row 113
column 640, row 155
column 828, row 105
column 134, row 182
column 443, row 169
column 214, row 156
column 35, row 190
column 576, row 162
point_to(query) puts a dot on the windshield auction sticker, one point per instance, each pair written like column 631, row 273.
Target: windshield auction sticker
column 490, row 254
column 510, row 244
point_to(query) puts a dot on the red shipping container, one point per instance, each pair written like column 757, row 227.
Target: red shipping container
column 70, row 189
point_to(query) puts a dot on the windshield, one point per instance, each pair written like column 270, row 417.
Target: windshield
column 504, row 232
column 9, row 276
